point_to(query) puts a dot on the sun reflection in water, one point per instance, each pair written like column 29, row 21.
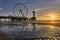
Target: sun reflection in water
column 52, row 27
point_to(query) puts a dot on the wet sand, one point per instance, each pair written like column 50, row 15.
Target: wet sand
column 4, row 36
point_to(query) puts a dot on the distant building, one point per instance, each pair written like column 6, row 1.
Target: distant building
column 33, row 18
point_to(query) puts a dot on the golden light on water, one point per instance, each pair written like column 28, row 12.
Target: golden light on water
column 52, row 27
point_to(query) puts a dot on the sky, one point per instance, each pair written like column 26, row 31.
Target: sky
column 41, row 7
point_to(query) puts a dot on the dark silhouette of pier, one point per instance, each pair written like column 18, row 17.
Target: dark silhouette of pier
column 13, row 18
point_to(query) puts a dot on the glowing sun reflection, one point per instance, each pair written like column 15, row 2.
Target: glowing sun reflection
column 52, row 27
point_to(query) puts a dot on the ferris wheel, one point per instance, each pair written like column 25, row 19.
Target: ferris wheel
column 20, row 10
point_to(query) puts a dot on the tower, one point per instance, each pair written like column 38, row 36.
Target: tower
column 33, row 13
column 33, row 18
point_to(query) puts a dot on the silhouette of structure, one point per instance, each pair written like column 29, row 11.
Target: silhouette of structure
column 19, row 16
column 33, row 18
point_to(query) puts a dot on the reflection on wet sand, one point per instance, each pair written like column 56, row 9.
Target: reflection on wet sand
column 4, row 36
column 30, row 32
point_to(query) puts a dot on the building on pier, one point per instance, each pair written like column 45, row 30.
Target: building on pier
column 33, row 18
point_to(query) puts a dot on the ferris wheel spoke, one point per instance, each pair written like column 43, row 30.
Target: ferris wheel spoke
column 21, row 12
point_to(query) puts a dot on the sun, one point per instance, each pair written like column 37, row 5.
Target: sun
column 52, row 17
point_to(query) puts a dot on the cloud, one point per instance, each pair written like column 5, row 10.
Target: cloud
column 39, row 9
column 58, row 1
column 1, row 9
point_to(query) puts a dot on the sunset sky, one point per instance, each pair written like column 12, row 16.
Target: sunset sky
column 44, row 8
